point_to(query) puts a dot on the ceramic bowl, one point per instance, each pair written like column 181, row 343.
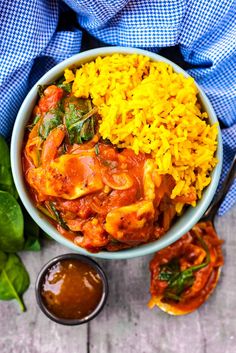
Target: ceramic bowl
column 190, row 217
column 41, row 278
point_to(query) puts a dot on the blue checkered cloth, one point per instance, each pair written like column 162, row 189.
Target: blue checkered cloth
column 37, row 34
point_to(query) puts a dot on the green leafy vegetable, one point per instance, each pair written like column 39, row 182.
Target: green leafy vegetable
column 96, row 147
column 3, row 260
column 80, row 121
column 46, row 212
column 58, row 216
column 6, row 180
column 67, row 87
column 16, row 233
column 36, row 119
column 179, row 281
column 4, row 152
column 51, row 120
column 31, row 234
column 169, row 270
column 11, row 223
column 14, row 279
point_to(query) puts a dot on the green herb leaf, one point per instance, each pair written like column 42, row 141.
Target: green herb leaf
column 51, row 120
column 67, row 87
column 11, row 223
column 80, row 121
column 179, row 281
column 96, row 148
column 58, row 216
column 36, row 119
column 14, row 280
column 169, row 270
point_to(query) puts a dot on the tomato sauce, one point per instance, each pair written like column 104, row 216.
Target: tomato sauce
column 71, row 289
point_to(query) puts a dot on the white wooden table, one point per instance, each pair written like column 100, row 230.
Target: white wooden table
column 126, row 325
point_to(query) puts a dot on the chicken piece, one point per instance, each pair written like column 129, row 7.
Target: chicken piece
column 151, row 179
column 93, row 237
column 68, row 176
column 50, row 146
column 131, row 224
column 51, row 96
column 148, row 183
column 34, row 145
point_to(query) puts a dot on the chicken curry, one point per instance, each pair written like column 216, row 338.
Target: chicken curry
column 98, row 196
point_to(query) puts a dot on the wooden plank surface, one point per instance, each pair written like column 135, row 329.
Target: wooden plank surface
column 126, row 325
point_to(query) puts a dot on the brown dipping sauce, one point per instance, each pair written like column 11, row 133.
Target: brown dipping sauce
column 71, row 289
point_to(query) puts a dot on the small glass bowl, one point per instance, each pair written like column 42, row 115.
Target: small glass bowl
column 41, row 277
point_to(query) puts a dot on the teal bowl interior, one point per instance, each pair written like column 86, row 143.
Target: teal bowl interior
column 190, row 217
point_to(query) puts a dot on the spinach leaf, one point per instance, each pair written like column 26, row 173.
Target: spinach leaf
column 4, row 152
column 3, row 260
column 80, row 121
column 179, row 281
column 14, row 280
column 6, row 180
column 11, row 223
column 31, row 233
column 51, row 120
column 67, row 87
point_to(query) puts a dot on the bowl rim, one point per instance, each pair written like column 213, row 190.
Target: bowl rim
column 192, row 215
column 82, row 258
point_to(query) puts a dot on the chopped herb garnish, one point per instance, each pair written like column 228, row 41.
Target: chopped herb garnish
column 179, row 281
column 96, row 148
column 36, row 119
column 58, row 216
column 51, row 120
column 80, row 121
column 67, row 87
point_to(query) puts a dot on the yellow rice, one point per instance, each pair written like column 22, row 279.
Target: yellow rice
column 146, row 106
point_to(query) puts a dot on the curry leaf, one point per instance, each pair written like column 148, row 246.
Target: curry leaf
column 11, row 223
column 14, row 280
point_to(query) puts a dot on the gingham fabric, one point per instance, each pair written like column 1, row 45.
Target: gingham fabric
column 35, row 36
